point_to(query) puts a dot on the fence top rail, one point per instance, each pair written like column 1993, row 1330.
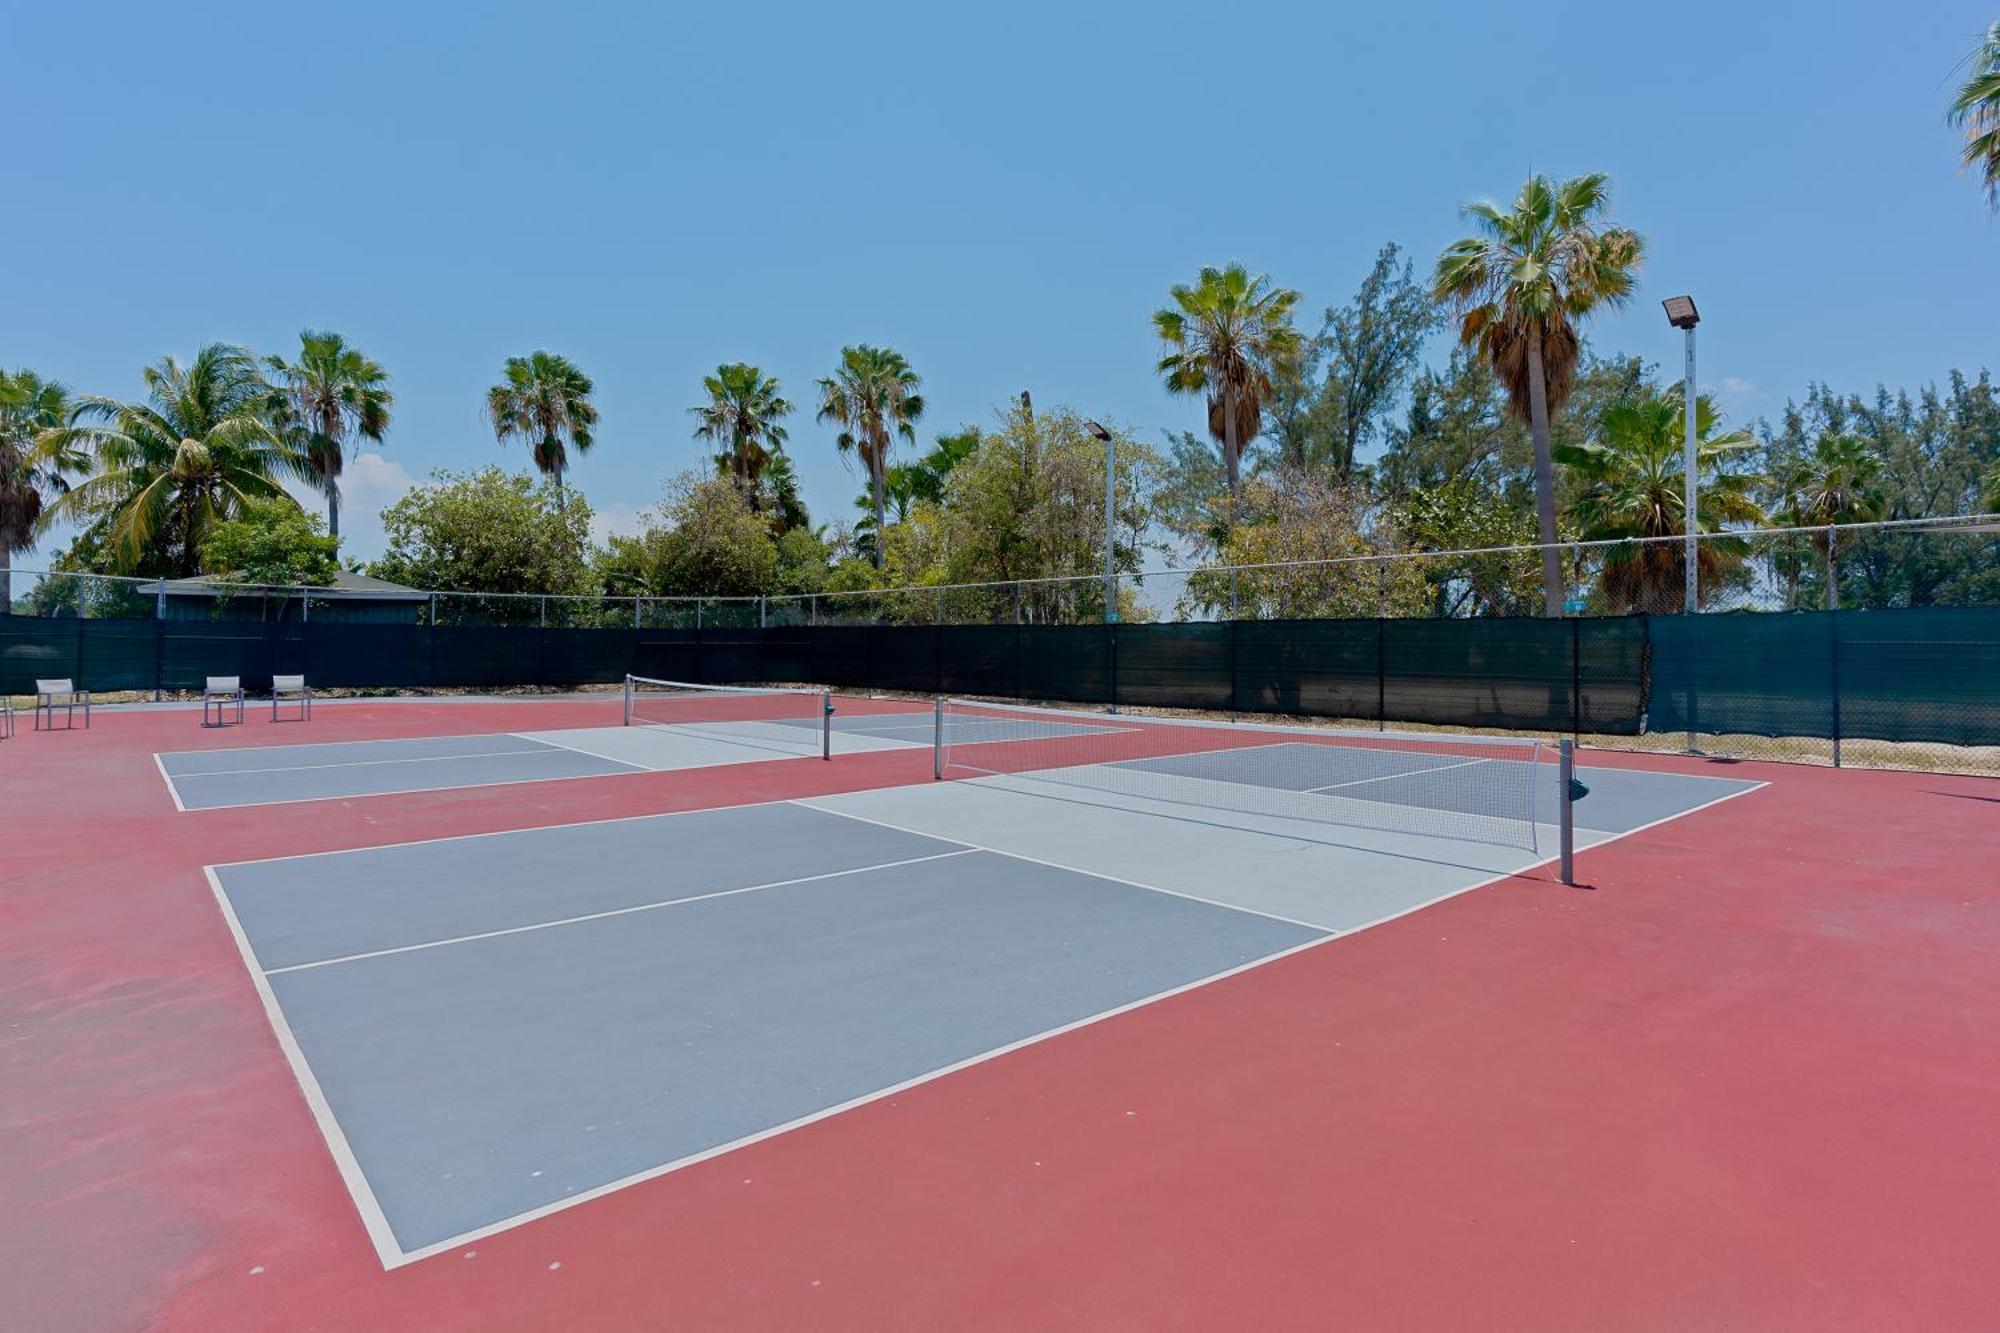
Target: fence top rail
column 1966, row 524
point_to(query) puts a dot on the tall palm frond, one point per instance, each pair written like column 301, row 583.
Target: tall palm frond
column 1975, row 112
column 874, row 397
column 743, row 414
column 1520, row 287
column 544, row 399
column 331, row 396
column 167, row 470
column 34, row 465
column 1635, row 487
column 1227, row 336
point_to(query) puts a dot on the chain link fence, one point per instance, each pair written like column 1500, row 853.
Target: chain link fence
column 1760, row 612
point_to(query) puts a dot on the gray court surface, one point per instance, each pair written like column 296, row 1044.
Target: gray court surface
column 493, row 1027
column 272, row 775
column 492, row 1033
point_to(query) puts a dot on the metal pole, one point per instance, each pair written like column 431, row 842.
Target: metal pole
column 826, row 724
column 937, row 738
column 1566, row 771
column 1110, row 529
column 1688, row 523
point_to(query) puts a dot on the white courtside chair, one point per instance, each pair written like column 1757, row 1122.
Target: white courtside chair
column 295, row 689
column 219, row 693
column 60, row 693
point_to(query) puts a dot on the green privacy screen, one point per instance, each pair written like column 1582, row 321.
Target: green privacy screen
column 1925, row 674
column 1931, row 674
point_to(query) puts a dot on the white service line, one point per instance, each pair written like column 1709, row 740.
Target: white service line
column 618, row 911
column 589, row 754
column 1406, row 773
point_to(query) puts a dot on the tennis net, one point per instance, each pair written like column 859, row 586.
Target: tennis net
column 785, row 719
column 1479, row 788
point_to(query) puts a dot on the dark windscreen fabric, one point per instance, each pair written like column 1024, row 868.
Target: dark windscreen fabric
column 1924, row 674
column 1743, row 674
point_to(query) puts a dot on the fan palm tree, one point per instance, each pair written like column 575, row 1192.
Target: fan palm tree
column 1975, row 111
column 1635, row 487
column 1519, row 288
column 1836, row 483
column 545, row 400
column 873, row 397
column 330, row 397
column 168, row 470
column 1227, row 337
column 33, row 466
column 742, row 414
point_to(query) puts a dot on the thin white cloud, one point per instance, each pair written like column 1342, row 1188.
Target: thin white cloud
column 369, row 484
column 617, row 519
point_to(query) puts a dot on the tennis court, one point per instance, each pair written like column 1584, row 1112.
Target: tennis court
column 490, row 1028
column 719, row 1001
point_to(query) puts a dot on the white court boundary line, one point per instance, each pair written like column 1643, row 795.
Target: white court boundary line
column 618, row 911
column 626, row 764
column 393, row 1256
column 373, row 1219
column 359, row 763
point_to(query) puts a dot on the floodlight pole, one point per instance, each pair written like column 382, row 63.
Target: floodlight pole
column 1682, row 314
column 1110, row 520
column 1689, row 402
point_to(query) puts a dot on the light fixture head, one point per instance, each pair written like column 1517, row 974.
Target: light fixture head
column 1681, row 312
column 1098, row 431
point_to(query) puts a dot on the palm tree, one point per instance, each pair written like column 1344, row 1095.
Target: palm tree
column 1227, row 337
column 778, row 492
column 32, row 465
column 742, row 413
column 331, row 396
column 872, row 396
column 544, row 400
column 1976, row 112
column 1519, row 288
column 168, row 470
column 1835, row 483
column 1635, row 487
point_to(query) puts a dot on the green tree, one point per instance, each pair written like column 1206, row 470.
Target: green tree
column 921, row 480
column 168, row 470
column 545, row 400
column 873, row 397
column 1330, row 403
column 1635, row 488
column 1226, row 337
column 1309, row 534
column 272, row 543
column 704, row 541
column 325, row 401
column 1464, row 520
column 489, row 532
column 743, row 414
column 1519, row 288
column 778, row 491
column 1934, row 446
column 34, row 464
column 1029, row 505
column 1975, row 112
column 1838, row 482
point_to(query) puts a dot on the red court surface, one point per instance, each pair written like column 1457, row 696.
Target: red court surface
column 1749, row 1079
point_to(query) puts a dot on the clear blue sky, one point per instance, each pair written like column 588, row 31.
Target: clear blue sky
column 1002, row 193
